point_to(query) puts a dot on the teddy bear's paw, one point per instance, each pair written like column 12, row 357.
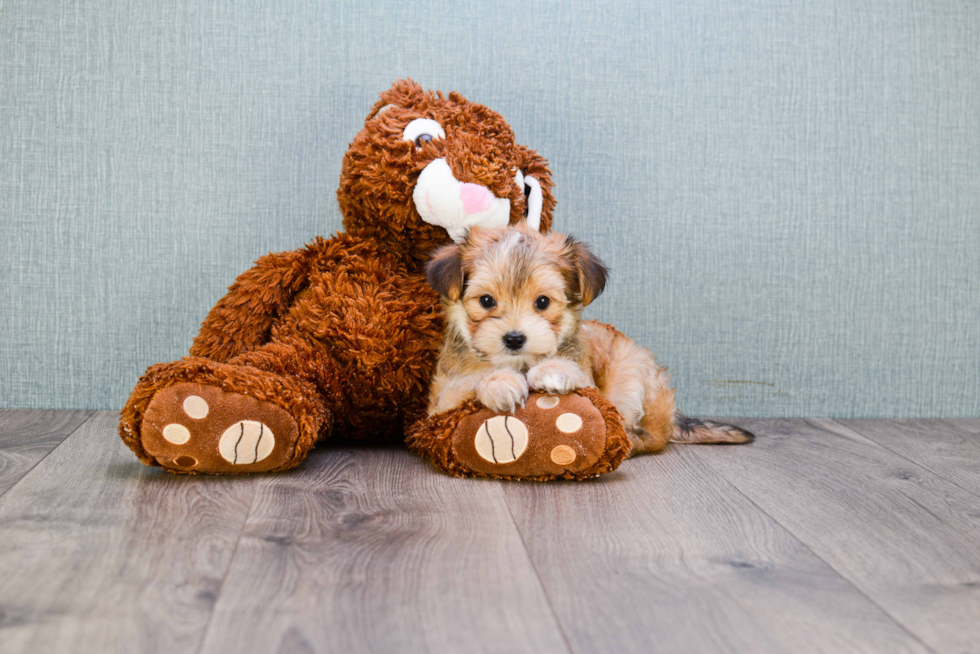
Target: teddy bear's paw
column 197, row 428
column 552, row 436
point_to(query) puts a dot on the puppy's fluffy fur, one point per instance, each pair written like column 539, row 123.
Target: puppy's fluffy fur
column 513, row 300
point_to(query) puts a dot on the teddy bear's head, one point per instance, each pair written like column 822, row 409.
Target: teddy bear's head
column 427, row 167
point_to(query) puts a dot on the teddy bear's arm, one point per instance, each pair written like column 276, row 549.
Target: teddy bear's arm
column 242, row 319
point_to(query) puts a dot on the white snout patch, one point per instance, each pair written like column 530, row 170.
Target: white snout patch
column 443, row 200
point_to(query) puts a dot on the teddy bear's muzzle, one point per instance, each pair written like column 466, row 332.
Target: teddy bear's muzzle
column 456, row 206
column 443, row 200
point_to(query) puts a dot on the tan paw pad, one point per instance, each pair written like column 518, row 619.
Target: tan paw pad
column 501, row 439
column 247, row 441
column 568, row 423
column 548, row 401
column 196, row 407
column 563, row 455
column 176, row 433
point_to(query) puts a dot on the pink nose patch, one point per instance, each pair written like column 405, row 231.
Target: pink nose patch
column 475, row 198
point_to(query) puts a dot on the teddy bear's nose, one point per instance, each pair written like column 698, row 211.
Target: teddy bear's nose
column 475, row 198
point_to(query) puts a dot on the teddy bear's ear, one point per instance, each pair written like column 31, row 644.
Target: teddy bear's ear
column 403, row 93
column 444, row 272
column 537, row 189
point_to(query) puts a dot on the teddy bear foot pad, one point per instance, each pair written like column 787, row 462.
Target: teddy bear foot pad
column 574, row 436
column 549, row 435
column 195, row 428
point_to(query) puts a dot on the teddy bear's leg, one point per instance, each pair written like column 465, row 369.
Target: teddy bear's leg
column 574, row 436
column 262, row 411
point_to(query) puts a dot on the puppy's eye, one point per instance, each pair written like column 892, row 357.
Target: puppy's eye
column 487, row 301
column 542, row 303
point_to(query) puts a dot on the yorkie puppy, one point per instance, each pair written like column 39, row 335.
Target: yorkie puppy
column 513, row 300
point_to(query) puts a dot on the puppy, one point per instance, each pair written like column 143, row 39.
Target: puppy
column 513, row 300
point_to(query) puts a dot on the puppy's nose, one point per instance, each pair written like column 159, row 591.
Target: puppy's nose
column 514, row 340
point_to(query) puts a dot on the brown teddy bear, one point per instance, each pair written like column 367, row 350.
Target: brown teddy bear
column 341, row 337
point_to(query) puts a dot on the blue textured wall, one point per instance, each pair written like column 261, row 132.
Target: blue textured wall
column 788, row 193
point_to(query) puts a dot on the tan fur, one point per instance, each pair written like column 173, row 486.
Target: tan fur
column 630, row 378
column 515, row 266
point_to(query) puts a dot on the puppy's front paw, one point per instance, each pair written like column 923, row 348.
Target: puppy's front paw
column 503, row 391
column 557, row 376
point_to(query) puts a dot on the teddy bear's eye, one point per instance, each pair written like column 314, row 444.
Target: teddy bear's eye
column 423, row 130
column 487, row 301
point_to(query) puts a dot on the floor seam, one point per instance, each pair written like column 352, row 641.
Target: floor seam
column 91, row 416
column 224, row 578
column 946, row 421
column 537, row 575
column 912, row 461
column 803, row 544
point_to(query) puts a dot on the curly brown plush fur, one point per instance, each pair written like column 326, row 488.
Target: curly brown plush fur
column 343, row 334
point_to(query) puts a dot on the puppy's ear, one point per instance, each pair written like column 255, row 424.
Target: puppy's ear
column 590, row 272
column 444, row 272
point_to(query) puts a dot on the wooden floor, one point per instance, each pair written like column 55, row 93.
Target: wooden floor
column 822, row 536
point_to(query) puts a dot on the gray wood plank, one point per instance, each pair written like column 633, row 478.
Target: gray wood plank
column 971, row 425
column 372, row 550
column 905, row 537
column 666, row 556
column 99, row 553
column 937, row 445
column 27, row 436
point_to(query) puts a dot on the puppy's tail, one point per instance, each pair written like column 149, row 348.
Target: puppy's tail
column 694, row 430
